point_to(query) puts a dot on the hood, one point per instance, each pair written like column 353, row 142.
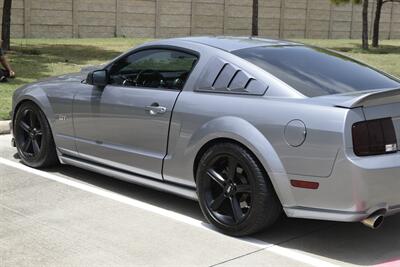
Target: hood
column 72, row 77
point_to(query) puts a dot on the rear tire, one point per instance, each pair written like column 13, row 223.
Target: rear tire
column 235, row 193
column 33, row 137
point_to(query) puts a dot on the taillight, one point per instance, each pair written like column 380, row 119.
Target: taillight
column 374, row 137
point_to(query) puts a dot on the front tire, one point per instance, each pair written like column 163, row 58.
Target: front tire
column 33, row 137
column 234, row 192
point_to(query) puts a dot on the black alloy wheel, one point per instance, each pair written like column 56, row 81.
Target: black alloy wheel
column 235, row 193
column 30, row 134
column 228, row 192
column 33, row 137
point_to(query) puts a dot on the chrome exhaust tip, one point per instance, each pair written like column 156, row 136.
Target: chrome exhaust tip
column 374, row 221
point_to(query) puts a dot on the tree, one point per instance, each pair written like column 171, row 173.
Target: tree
column 6, row 24
column 364, row 18
column 375, row 34
column 254, row 22
column 379, row 5
column 365, row 25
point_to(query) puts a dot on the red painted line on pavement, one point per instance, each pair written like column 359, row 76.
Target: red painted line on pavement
column 390, row 263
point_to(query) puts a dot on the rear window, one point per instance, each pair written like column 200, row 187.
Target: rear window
column 316, row 72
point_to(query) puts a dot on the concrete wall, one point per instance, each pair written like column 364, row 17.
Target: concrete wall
column 165, row 18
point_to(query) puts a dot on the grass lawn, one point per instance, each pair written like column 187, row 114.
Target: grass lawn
column 34, row 59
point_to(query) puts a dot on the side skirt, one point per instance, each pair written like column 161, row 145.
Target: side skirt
column 186, row 192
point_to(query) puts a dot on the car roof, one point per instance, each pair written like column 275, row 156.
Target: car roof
column 231, row 43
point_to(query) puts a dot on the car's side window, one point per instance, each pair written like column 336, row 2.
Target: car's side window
column 153, row 68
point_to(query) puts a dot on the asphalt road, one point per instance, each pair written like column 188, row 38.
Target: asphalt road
column 68, row 216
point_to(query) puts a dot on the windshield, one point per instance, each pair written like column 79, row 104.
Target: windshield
column 316, row 72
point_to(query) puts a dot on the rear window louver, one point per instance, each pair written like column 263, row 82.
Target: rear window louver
column 224, row 77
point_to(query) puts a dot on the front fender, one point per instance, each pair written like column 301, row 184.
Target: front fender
column 37, row 95
column 55, row 99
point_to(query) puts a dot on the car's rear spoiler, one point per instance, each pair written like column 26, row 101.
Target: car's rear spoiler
column 374, row 98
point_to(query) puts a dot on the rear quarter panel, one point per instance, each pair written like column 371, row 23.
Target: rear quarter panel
column 257, row 122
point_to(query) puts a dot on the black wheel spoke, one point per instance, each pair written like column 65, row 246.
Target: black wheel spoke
column 232, row 164
column 26, row 145
column 216, row 203
column 35, row 145
column 216, row 177
column 240, row 177
column 25, row 126
column 39, row 132
column 243, row 188
column 32, row 119
column 228, row 190
column 236, row 210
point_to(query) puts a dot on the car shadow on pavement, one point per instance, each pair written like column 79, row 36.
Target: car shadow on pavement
column 137, row 192
column 344, row 242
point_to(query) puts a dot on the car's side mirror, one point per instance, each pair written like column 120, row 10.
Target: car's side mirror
column 97, row 78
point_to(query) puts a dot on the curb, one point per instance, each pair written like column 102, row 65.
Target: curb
column 5, row 127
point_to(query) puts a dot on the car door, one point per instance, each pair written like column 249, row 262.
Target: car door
column 125, row 124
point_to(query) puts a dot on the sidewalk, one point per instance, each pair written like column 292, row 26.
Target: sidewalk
column 5, row 127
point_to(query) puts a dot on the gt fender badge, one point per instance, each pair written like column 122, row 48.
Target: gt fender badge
column 62, row 117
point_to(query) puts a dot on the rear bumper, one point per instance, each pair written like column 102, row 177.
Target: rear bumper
column 334, row 215
column 357, row 187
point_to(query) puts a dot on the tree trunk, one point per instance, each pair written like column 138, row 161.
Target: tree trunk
column 6, row 24
column 375, row 36
column 365, row 25
column 254, row 24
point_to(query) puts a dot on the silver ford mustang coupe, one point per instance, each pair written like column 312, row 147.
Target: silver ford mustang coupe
column 251, row 128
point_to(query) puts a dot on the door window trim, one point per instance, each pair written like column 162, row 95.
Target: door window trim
column 155, row 47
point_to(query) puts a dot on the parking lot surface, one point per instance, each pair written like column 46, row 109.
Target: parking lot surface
column 69, row 216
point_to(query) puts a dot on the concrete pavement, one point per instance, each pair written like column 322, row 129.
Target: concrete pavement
column 4, row 127
column 68, row 216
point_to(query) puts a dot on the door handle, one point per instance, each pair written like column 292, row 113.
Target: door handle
column 155, row 109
